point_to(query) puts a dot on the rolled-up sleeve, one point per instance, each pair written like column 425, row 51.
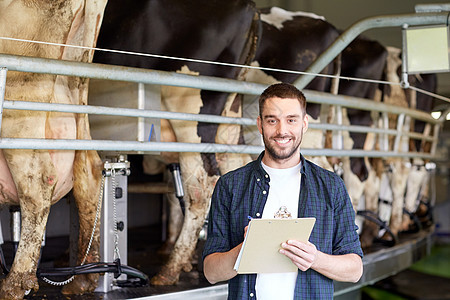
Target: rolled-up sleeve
column 346, row 238
column 218, row 222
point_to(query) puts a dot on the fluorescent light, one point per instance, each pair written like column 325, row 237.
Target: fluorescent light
column 436, row 114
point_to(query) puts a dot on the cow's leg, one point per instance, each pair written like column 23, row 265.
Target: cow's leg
column 198, row 187
column 231, row 135
column 371, row 192
column 414, row 183
column 398, row 184
column 86, row 189
column 354, row 185
column 35, row 187
column 175, row 223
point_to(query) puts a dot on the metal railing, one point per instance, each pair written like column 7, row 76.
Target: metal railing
column 118, row 73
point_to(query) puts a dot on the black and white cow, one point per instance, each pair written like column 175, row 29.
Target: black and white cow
column 292, row 41
column 211, row 30
column 405, row 177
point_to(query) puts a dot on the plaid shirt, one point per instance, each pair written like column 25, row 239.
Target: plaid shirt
column 243, row 192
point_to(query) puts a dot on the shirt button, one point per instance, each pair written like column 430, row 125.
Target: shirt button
column 258, row 214
column 267, row 176
column 264, row 192
column 251, row 295
column 257, row 179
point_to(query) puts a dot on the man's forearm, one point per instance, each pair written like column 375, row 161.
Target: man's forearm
column 346, row 267
column 219, row 266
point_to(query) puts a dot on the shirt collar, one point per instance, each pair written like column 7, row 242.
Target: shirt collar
column 261, row 172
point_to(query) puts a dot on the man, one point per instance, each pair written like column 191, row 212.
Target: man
column 281, row 179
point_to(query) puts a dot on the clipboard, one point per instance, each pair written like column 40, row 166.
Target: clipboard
column 260, row 250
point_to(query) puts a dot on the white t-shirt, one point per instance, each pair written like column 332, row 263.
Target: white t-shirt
column 284, row 191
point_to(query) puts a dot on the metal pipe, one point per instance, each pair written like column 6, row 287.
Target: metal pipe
column 131, row 146
column 369, row 23
column 99, row 71
column 40, row 65
column 365, row 104
column 313, row 96
column 126, row 112
column 119, row 73
column 2, row 93
column 404, row 80
column 154, row 188
column 131, row 112
column 434, row 7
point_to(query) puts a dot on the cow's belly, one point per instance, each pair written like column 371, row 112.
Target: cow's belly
column 8, row 192
column 186, row 100
column 16, row 163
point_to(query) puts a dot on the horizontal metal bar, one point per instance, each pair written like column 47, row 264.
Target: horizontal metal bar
column 364, row 104
column 132, row 146
column 216, row 292
column 366, row 129
column 133, row 112
column 120, row 73
column 124, row 146
column 420, row 136
column 351, row 128
column 100, row 71
column 125, row 112
column 40, row 65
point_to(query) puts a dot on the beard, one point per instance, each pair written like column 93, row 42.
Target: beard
column 278, row 154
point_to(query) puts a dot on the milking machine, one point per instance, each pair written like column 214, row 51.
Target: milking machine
column 174, row 169
column 112, row 208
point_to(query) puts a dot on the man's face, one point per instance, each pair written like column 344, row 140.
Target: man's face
column 282, row 125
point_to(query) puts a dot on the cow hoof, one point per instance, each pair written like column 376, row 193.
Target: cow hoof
column 12, row 294
column 14, row 286
column 160, row 279
column 82, row 284
column 187, row 267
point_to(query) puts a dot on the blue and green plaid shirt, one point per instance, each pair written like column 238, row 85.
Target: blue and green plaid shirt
column 243, row 192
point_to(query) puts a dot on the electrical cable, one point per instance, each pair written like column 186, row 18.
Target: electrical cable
column 138, row 278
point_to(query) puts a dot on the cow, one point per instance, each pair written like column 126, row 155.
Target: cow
column 36, row 179
column 362, row 58
column 417, row 186
column 406, row 176
column 292, row 41
column 223, row 31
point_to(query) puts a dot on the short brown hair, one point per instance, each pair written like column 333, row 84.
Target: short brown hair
column 282, row 90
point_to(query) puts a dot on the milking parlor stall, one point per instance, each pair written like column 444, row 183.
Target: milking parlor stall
column 103, row 179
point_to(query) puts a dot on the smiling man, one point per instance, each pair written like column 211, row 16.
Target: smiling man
column 282, row 182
